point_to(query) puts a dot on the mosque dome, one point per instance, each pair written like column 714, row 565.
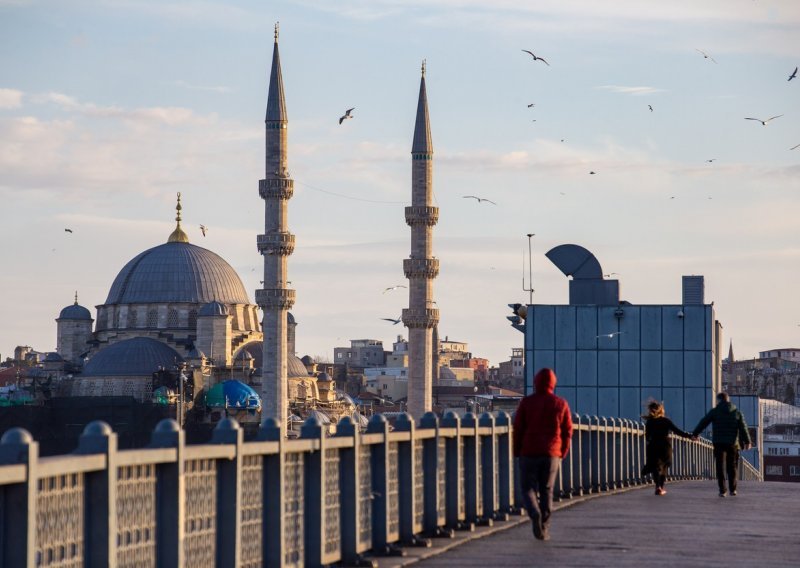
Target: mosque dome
column 177, row 272
column 140, row 356
column 75, row 312
column 294, row 366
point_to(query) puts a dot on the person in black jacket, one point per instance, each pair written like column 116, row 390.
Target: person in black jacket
column 658, row 456
column 728, row 430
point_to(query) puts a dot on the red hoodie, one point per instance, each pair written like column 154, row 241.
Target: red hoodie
column 543, row 423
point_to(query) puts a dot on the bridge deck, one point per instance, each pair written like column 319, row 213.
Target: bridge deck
column 690, row 526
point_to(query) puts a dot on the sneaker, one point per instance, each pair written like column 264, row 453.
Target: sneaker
column 733, row 493
column 663, row 491
column 537, row 530
column 722, row 494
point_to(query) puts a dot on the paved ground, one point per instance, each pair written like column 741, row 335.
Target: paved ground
column 690, row 526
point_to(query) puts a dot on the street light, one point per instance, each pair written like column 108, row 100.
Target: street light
column 529, row 289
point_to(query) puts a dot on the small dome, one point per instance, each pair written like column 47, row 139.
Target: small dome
column 140, row 356
column 324, row 377
column 214, row 309
column 294, row 366
column 233, row 394
column 75, row 312
column 307, row 360
column 53, row 357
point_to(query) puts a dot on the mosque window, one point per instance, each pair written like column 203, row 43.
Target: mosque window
column 116, row 319
column 133, row 317
column 172, row 318
column 192, row 319
column 152, row 318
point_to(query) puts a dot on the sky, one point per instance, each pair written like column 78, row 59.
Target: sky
column 109, row 108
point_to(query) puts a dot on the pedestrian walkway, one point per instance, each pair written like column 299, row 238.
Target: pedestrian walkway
column 690, row 526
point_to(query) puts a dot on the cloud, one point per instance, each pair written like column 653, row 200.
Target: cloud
column 10, row 98
column 166, row 115
column 636, row 91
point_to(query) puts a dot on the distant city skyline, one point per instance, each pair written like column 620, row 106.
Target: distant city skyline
column 107, row 110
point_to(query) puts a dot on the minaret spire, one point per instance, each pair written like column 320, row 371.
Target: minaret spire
column 275, row 245
column 76, row 297
column 421, row 267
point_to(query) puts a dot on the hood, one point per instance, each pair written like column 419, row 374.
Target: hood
column 727, row 406
column 545, row 381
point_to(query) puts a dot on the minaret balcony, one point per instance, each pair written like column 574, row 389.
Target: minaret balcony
column 421, row 267
column 422, row 215
column 280, row 298
column 281, row 244
column 276, row 188
column 420, row 318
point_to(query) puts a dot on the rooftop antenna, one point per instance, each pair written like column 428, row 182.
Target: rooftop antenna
column 529, row 289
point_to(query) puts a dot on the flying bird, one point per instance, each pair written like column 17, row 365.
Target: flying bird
column 592, row 173
column 203, row 229
column 609, row 335
column 711, row 160
column 706, row 55
column 650, row 107
column 764, row 122
column 531, row 105
column 535, row 58
column 793, row 75
column 390, row 288
column 67, row 230
column 346, row 115
column 480, row 199
column 394, row 321
column 794, row 147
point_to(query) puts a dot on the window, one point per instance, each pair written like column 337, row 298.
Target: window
column 772, row 451
column 774, row 470
column 794, row 470
column 152, row 318
column 172, row 318
column 339, row 355
column 133, row 317
column 192, row 319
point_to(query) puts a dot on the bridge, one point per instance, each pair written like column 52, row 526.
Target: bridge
column 383, row 496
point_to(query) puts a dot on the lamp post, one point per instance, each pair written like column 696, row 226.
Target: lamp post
column 529, row 289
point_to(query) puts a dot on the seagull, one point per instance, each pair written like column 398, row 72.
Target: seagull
column 394, row 321
column 480, row 199
column 673, row 197
column 536, row 58
column 531, row 105
column 794, row 147
column 764, row 122
column 650, row 107
column 203, row 229
column 609, row 335
column 705, row 55
column 346, row 115
column 793, row 75
column 711, row 160
column 592, row 173
column 390, row 288
column 67, row 230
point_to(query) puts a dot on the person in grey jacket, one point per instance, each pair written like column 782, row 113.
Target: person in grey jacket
column 729, row 430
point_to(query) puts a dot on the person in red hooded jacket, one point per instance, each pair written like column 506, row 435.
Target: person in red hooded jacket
column 542, row 433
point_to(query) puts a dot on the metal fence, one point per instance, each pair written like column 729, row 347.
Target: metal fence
column 278, row 502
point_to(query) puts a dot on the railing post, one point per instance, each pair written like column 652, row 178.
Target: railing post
column 490, row 474
column 587, row 460
column 229, row 493
column 454, row 487
column 597, row 449
column 100, row 523
column 505, row 461
column 379, row 456
column 350, row 495
column 472, row 495
column 519, row 509
column 18, row 514
column 273, row 526
column 406, row 473
column 170, row 496
column 314, row 513
column 624, row 456
column 434, row 470
column 612, row 453
column 576, row 457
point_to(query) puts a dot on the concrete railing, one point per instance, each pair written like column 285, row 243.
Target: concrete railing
column 278, row 502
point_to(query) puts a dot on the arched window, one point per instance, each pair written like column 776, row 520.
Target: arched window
column 172, row 318
column 192, row 319
column 152, row 318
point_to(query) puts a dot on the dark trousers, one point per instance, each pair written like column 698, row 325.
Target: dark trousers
column 726, row 457
column 538, row 477
column 660, row 480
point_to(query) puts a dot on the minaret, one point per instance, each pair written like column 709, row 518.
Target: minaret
column 421, row 268
column 275, row 245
